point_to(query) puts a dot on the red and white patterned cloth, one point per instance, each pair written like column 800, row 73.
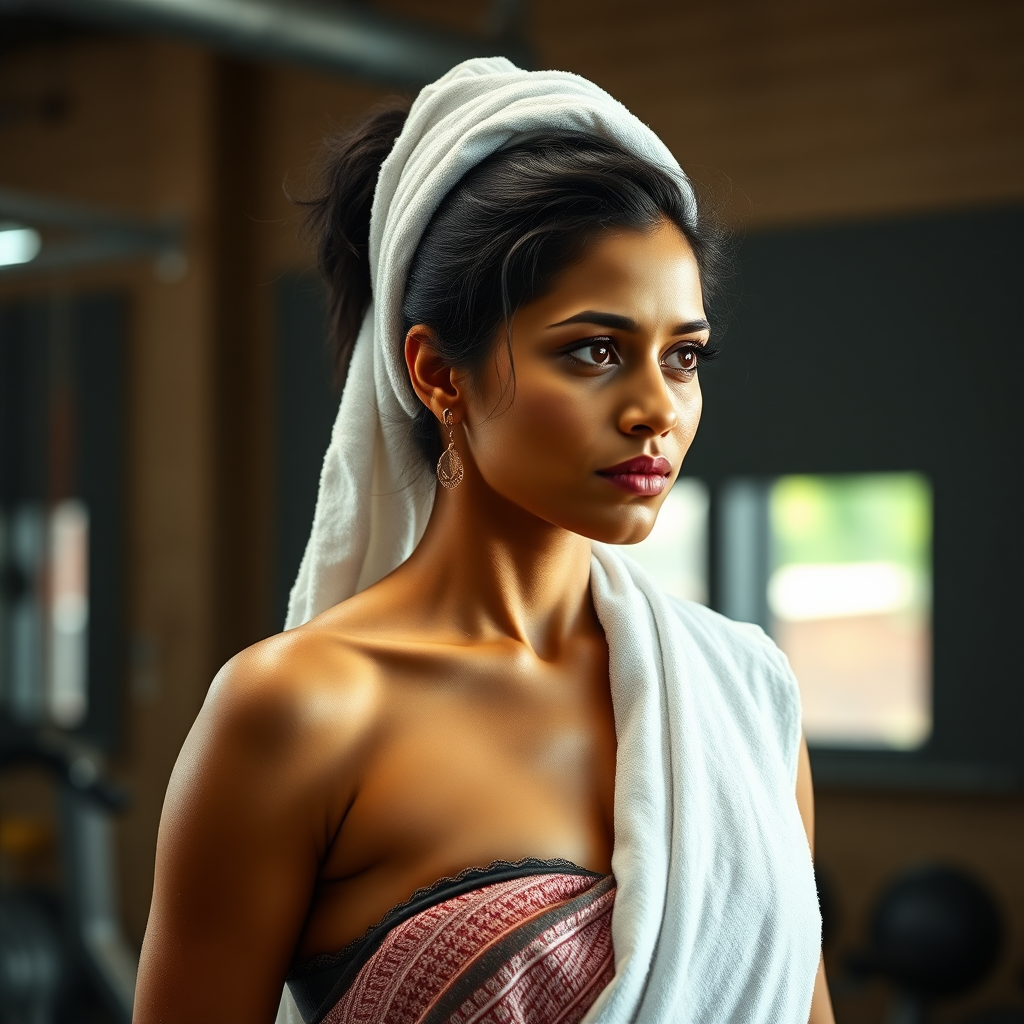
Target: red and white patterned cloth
column 534, row 950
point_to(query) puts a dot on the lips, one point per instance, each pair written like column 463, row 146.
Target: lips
column 650, row 464
column 645, row 474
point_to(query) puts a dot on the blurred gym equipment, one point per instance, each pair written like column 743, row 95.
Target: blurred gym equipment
column 63, row 958
column 935, row 932
column 57, row 948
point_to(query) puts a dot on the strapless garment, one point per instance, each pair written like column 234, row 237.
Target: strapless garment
column 512, row 943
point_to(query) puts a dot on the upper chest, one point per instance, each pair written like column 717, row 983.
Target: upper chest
column 474, row 757
column 485, row 740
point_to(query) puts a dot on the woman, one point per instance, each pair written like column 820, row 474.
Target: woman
column 493, row 774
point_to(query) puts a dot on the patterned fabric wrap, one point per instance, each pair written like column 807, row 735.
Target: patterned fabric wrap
column 533, row 950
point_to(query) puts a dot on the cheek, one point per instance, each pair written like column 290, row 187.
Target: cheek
column 541, row 432
column 558, row 418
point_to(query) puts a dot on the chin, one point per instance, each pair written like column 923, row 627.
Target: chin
column 629, row 528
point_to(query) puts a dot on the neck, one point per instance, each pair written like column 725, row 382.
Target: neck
column 490, row 570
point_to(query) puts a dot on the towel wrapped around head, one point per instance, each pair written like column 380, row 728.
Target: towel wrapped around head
column 716, row 917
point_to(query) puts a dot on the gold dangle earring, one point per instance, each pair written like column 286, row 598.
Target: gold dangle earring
column 449, row 466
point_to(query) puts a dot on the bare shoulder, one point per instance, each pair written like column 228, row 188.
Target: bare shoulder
column 258, row 792
column 288, row 720
column 294, row 686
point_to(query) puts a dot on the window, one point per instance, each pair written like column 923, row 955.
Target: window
column 849, row 601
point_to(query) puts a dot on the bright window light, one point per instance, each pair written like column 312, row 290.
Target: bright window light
column 836, row 591
column 849, row 601
column 18, row 245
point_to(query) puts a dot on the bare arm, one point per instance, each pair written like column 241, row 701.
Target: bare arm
column 244, row 828
column 821, row 1002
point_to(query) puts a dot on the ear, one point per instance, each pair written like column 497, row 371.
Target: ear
column 432, row 379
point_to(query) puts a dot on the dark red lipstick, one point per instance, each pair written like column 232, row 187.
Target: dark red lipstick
column 646, row 474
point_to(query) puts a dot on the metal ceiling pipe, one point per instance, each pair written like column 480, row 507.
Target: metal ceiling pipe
column 353, row 40
column 87, row 236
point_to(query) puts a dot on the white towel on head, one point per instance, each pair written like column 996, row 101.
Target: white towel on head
column 716, row 917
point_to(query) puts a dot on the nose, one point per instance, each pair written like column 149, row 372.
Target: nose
column 648, row 410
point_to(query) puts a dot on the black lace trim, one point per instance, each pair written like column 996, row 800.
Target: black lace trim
column 325, row 960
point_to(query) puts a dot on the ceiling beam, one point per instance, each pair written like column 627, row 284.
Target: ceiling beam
column 346, row 38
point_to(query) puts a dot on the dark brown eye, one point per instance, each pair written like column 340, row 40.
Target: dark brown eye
column 683, row 359
column 596, row 354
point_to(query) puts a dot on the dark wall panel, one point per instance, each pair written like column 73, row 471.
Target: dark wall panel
column 100, row 374
column 306, row 406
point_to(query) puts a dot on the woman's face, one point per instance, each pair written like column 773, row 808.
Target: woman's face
column 606, row 398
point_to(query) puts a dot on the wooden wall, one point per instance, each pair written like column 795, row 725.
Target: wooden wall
column 158, row 128
column 790, row 112
column 808, row 111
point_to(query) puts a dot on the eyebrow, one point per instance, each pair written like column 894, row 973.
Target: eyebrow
column 624, row 323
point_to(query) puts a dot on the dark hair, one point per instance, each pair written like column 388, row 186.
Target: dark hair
column 497, row 240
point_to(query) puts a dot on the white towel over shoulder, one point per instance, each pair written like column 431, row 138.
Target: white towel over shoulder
column 716, row 917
